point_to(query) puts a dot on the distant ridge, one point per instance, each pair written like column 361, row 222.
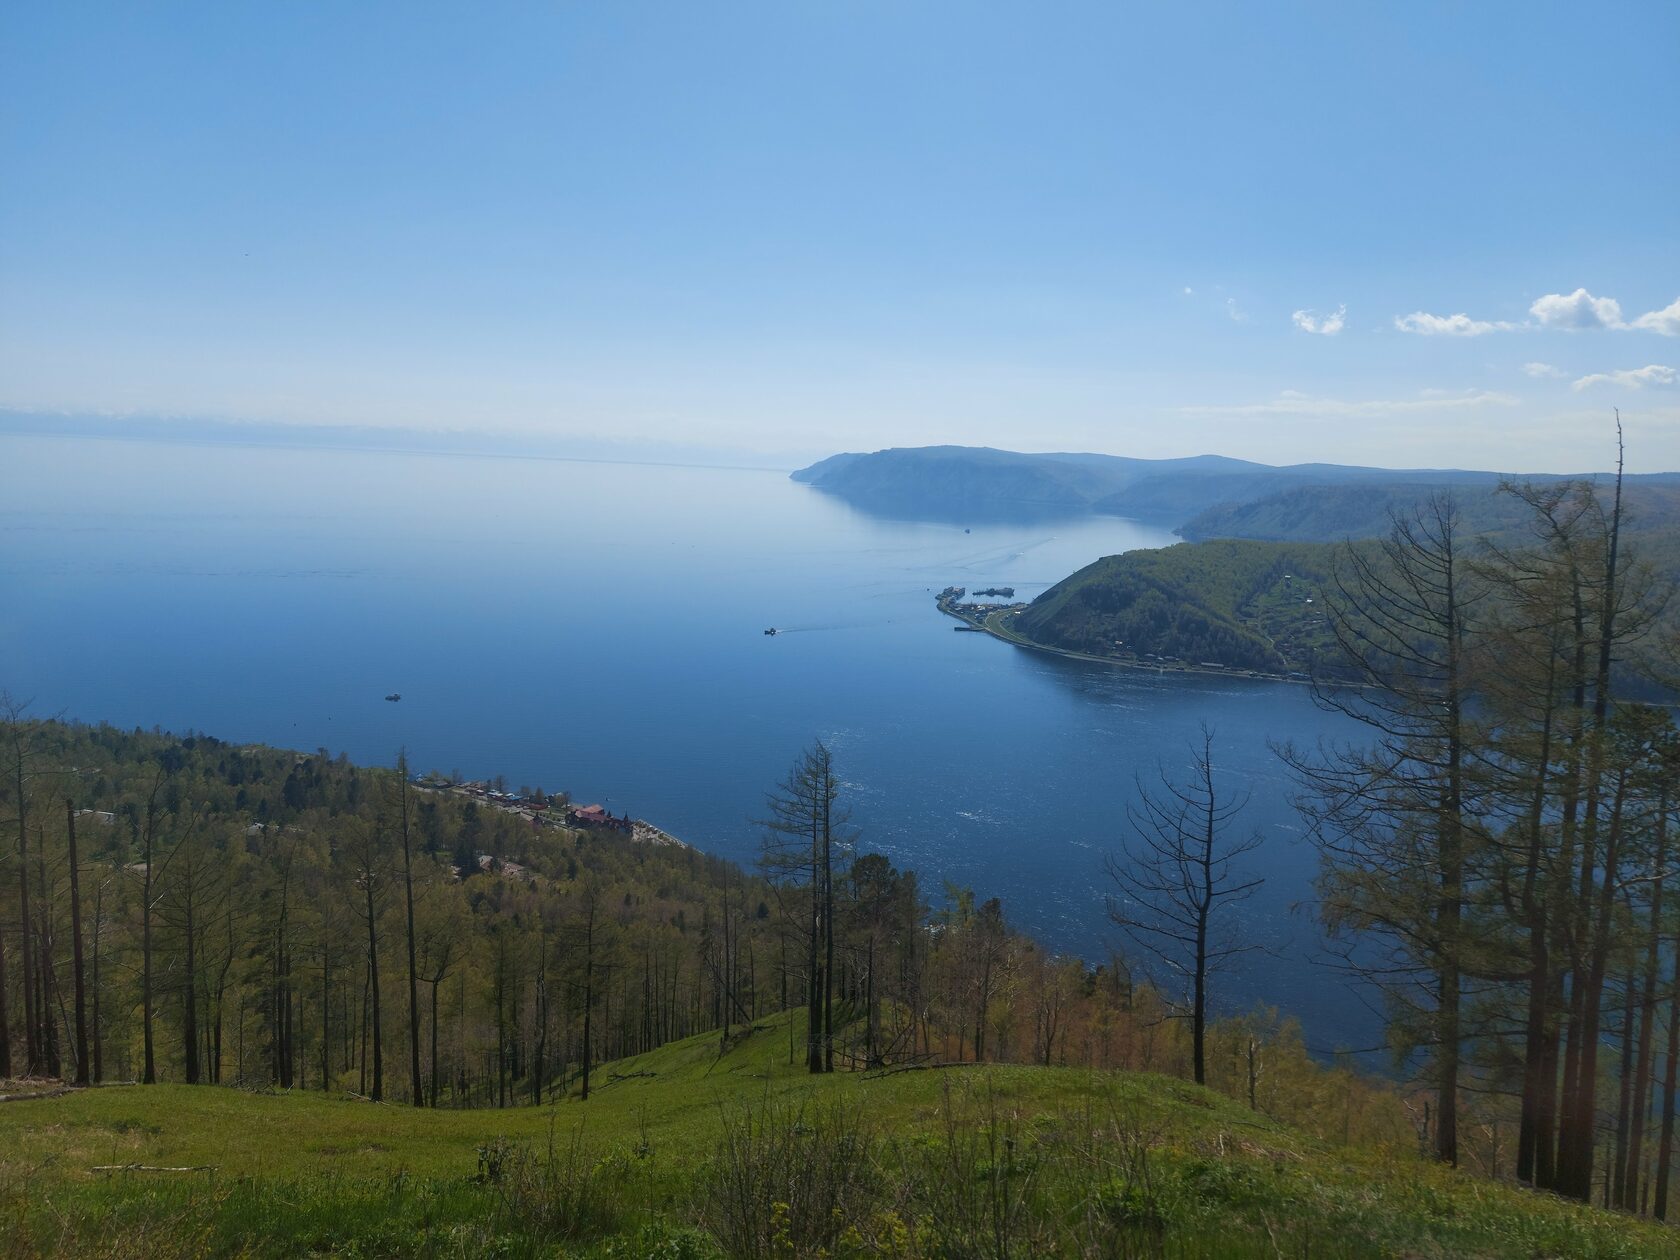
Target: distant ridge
column 1204, row 496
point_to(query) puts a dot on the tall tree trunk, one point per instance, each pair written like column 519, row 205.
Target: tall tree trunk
column 98, row 1031
column 1451, row 849
column 45, row 967
column 1576, row 1148
column 1648, row 1004
column 828, row 921
column 588, row 995
column 189, row 1000
column 5, row 1020
column 149, row 1074
column 34, row 1061
column 1532, row 1129
column 435, row 1068
column 539, row 1053
column 814, row 981
column 82, row 1065
column 1671, row 1080
column 326, row 1014
column 1198, row 1014
column 1561, row 1046
column 1576, row 1144
column 378, row 1091
column 416, row 1090
column 1617, row 1173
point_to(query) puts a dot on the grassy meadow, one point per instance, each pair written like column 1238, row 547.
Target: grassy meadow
column 684, row 1152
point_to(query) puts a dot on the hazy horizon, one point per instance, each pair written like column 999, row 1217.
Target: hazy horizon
column 512, row 444
column 1438, row 236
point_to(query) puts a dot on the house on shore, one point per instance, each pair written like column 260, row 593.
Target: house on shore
column 596, row 816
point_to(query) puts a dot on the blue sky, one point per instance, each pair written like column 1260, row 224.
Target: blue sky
column 797, row 228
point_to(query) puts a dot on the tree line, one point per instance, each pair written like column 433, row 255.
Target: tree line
column 186, row 910
column 1499, row 842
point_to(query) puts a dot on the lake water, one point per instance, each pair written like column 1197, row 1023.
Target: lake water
column 598, row 628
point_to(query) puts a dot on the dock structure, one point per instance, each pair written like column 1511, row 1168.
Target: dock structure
column 973, row 616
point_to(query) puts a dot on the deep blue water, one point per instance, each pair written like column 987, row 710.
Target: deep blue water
column 598, row 628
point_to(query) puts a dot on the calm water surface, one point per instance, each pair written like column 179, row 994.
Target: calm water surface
column 598, row 628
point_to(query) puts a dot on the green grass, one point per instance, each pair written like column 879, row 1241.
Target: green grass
column 1122, row 1165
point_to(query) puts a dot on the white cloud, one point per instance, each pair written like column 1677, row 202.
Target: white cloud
column 1188, row 291
column 1234, row 311
column 1577, row 310
column 1542, row 371
column 1665, row 321
column 1460, row 325
column 1329, row 326
column 1631, row 378
column 1294, row 403
column 1569, row 312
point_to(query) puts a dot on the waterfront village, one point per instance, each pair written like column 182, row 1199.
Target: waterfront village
column 542, row 809
column 958, row 602
column 972, row 616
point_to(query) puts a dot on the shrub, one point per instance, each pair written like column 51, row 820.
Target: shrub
column 557, row 1191
column 788, row 1178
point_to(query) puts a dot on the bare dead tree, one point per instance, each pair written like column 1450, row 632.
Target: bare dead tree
column 1176, row 873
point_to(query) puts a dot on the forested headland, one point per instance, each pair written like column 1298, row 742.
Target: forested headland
column 1237, row 604
column 1252, row 595
column 1498, row 844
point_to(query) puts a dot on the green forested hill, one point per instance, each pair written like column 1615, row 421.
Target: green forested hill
column 1251, row 597
column 1330, row 513
column 1237, row 604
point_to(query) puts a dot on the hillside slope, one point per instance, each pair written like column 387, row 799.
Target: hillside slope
column 1330, row 513
column 689, row 1152
column 1232, row 603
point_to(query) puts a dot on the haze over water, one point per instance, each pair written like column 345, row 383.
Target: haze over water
column 598, row 628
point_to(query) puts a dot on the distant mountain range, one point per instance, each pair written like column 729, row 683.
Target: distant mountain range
column 1204, row 496
column 1247, row 594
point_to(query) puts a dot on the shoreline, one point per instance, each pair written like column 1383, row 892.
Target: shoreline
column 992, row 624
column 640, row 830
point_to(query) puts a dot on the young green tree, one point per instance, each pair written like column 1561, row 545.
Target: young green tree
column 162, row 830
column 805, row 830
column 444, row 925
column 1393, row 813
column 192, row 895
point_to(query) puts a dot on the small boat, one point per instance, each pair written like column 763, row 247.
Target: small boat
column 394, row 697
column 771, row 630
